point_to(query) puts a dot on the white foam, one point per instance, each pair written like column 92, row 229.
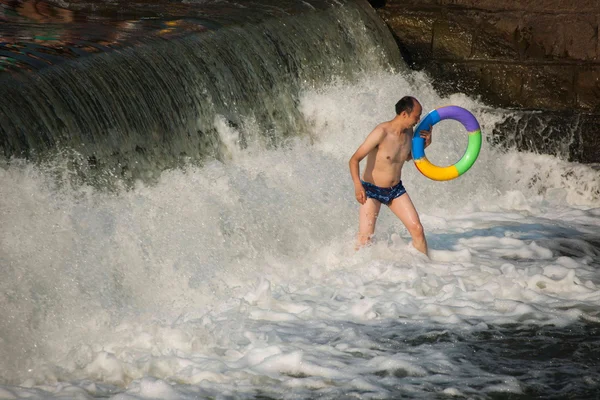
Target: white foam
column 240, row 276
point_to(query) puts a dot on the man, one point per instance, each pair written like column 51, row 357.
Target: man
column 387, row 148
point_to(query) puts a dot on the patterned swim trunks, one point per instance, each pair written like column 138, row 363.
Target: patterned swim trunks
column 384, row 195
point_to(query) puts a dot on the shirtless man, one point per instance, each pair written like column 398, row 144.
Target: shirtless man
column 387, row 148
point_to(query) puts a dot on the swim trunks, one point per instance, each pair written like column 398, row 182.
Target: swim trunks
column 384, row 195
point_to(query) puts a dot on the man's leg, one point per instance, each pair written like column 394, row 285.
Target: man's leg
column 366, row 221
column 405, row 210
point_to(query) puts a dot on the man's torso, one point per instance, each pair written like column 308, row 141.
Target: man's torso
column 384, row 163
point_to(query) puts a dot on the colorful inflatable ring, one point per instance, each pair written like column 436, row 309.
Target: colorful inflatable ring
column 468, row 159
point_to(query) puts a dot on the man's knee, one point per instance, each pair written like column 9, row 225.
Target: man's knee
column 416, row 229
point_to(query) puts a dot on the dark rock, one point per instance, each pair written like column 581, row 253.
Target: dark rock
column 580, row 37
column 548, row 87
column 413, row 33
column 454, row 77
column 583, row 6
column 539, row 56
column 451, row 40
column 588, row 89
column 559, row 36
column 377, row 3
column 502, row 84
column 496, row 37
column 589, row 135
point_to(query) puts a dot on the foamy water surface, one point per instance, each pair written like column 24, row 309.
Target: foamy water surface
column 239, row 279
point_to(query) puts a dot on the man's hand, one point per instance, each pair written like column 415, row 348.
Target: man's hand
column 361, row 195
column 426, row 134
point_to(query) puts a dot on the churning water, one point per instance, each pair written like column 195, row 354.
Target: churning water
column 237, row 277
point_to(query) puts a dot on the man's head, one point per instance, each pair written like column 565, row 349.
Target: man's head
column 409, row 110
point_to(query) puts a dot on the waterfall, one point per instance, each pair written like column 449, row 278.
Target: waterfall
column 136, row 111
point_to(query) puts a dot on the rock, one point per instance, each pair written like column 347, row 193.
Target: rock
column 532, row 55
column 587, row 87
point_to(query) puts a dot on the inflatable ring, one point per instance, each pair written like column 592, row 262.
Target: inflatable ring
column 468, row 159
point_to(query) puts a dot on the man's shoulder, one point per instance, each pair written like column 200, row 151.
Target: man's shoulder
column 381, row 129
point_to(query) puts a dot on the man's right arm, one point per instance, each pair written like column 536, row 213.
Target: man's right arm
column 363, row 150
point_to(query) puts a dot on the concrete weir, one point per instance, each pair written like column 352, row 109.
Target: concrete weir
column 111, row 79
column 137, row 87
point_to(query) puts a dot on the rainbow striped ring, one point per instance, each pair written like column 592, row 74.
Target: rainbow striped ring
column 468, row 159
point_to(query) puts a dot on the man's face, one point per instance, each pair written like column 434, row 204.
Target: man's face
column 415, row 116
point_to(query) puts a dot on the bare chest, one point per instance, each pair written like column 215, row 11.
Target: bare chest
column 394, row 149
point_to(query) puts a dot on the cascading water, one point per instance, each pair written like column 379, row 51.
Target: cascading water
column 237, row 277
column 139, row 110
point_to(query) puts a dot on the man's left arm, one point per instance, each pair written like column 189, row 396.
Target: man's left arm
column 426, row 134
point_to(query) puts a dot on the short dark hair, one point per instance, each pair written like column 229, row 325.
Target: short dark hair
column 407, row 103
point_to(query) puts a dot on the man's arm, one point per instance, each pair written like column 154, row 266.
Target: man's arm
column 425, row 135
column 363, row 150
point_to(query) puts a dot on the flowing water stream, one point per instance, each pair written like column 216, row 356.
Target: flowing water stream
column 230, row 272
